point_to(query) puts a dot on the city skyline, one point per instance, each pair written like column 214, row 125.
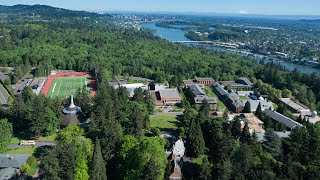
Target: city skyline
column 262, row 7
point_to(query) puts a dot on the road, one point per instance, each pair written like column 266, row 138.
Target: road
column 3, row 96
column 38, row 144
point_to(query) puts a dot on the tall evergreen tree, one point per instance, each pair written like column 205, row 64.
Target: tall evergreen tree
column 247, row 107
column 236, row 128
column 195, row 143
column 245, row 136
column 204, row 111
column 98, row 166
column 272, row 142
column 5, row 134
column 259, row 112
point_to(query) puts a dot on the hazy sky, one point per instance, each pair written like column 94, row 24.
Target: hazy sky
column 273, row 7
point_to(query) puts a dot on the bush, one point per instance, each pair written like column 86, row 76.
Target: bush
column 25, row 169
column 32, row 160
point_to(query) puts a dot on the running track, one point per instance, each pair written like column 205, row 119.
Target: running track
column 48, row 84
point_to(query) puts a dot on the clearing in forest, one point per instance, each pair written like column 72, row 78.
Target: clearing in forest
column 63, row 85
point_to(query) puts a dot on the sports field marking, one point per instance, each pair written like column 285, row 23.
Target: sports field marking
column 66, row 86
column 54, row 87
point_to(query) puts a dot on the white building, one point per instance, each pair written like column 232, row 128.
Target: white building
column 132, row 87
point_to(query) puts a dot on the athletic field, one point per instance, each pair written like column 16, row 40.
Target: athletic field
column 64, row 87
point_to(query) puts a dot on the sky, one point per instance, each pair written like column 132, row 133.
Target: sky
column 266, row 7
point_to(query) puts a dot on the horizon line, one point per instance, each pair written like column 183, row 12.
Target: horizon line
column 174, row 12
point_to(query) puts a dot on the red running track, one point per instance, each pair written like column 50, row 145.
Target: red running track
column 50, row 79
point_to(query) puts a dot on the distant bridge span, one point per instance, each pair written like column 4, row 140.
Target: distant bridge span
column 214, row 43
column 192, row 41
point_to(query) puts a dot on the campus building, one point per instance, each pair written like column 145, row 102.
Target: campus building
column 204, row 81
column 199, row 95
column 132, row 87
column 240, row 84
column 169, row 96
column 289, row 123
column 70, row 114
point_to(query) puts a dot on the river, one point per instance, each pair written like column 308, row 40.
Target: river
column 178, row 35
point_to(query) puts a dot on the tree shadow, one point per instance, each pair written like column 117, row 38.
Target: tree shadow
column 41, row 151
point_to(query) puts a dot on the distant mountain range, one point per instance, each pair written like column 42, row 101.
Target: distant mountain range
column 46, row 11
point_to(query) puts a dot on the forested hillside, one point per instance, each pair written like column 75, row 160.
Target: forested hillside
column 118, row 143
column 88, row 46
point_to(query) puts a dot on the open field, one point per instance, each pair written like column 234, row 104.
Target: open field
column 64, row 87
column 164, row 121
column 21, row 150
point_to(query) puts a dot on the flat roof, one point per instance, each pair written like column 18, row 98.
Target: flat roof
column 169, row 93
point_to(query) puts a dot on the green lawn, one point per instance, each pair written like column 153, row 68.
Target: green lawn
column 21, row 150
column 163, row 121
column 15, row 140
column 67, row 86
column 210, row 93
column 48, row 138
column 243, row 98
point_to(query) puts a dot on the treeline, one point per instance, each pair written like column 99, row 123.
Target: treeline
column 304, row 87
column 96, row 48
column 227, row 150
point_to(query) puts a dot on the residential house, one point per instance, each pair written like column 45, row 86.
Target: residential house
column 175, row 156
column 10, row 164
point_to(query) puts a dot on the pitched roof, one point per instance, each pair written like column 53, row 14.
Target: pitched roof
column 294, row 105
column 282, row 119
column 8, row 173
column 245, row 81
column 219, row 89
column 69, row 119
column 196, row 90
column 13, row 160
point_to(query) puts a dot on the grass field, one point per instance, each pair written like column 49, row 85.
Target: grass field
column 163, row 121
column 67, row 86
column 210, row 93
column 21, row 150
